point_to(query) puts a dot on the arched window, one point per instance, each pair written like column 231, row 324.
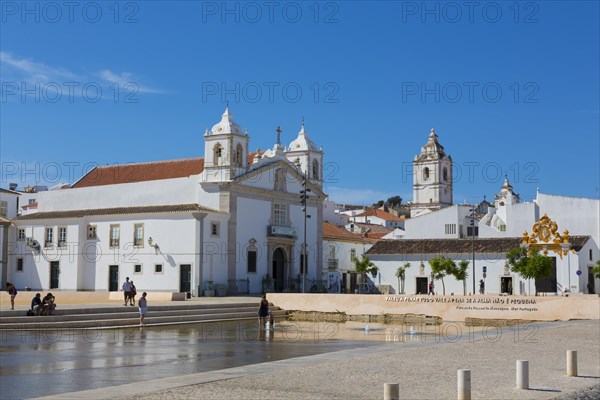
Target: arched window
column 315, row 169
column 218, row 154
column 238, row 156
column 426, row 174
column 445, row 174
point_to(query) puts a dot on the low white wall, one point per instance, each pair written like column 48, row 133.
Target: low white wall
column 449, row 308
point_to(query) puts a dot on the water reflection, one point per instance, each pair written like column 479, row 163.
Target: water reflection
column 58, row 361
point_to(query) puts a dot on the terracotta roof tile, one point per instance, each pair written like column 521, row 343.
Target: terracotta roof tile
column 380, row 214
column 330, row 231
column 141, row 172
column 457, row 246
column 147, row 171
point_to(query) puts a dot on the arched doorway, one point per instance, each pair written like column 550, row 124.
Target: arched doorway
column 278, row 270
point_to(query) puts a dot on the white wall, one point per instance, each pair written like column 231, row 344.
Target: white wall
column 432, row 225
column 580, row 216
column 84, row 264
column 160, row 192
column 343, row 251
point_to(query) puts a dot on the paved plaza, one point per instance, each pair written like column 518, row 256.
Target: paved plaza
column 424, row 365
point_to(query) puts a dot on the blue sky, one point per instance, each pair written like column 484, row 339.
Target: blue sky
column 511, row 88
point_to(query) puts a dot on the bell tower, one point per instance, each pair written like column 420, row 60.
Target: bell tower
column 304, row 152
column 432, row 178
column 225, row 150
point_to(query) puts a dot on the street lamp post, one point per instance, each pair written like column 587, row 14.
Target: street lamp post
column 472, row 217
column 303, row 201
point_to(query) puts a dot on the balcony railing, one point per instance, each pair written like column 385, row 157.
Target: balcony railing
column 282, row 231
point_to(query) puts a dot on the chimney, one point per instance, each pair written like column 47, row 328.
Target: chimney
column 12, row 186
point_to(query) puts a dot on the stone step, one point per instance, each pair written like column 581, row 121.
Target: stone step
column 132, row 320
column 120, row 309
column 133, row 312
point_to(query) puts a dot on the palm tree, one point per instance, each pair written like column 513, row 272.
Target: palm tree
column 363, row 267
column 401, row 275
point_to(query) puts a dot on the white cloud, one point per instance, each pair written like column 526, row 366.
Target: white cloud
column 125, row 78
column 32, row 71
column 17, row 69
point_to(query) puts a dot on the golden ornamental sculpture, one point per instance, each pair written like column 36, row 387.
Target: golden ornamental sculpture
column 545, row 236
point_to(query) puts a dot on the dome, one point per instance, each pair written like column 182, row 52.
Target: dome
column 227, row 125
column 302, row 142
column 432, row 149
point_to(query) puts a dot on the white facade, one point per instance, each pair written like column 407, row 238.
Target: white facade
column 333, row 213
column 389, row 223
column 9, row 202
column 498, row 273
column 213, row 222
column 339, row 250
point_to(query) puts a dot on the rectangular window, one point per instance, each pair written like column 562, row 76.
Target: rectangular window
column 62, row 236
column 21, row 234
column 251, row 261
column 158, row 269
column 19, row 265
column 115, row 235
column 470, row 231
column 31, row 201
column 280, row 215
column 302, row 264
column 91, row 232
column 352, row 254
column 138, row 234
column 49, row 237
column 214, row 229
column 450, row 229
column 3, row 208
column 591, row 258
column 137, row 269
column 502, row 228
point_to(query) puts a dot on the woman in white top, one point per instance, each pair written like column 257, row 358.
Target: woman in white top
column 143, row 305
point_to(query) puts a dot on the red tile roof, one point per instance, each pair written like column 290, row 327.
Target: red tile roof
column 141, row 172
column 380, row 214
column 330, row 231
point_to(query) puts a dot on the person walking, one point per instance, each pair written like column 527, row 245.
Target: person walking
column 263, row 311
column 431, row 286
column 132, row 294
column 12, row 291
column 127, row 290
column 481, row 286
column 143, row 305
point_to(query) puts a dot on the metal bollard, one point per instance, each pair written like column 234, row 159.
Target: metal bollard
column 464, row 384
column 571, row 363
column 391, row 391
column 523, row 374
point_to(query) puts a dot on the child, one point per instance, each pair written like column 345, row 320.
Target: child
column 12, row 291
column 143, row 304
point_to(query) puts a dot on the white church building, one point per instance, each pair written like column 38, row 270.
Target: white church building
column 483, row 233
column 229, row 222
